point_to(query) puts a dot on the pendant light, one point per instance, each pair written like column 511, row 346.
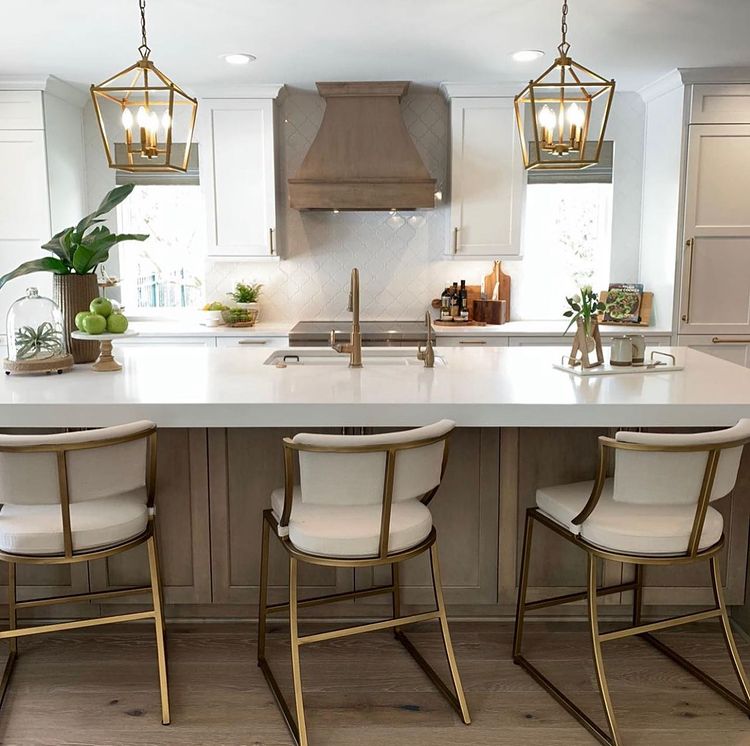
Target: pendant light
column 146, row 121
column 561, row 112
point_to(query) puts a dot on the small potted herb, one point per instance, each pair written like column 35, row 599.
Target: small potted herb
column 211, row 313
column 245, row 309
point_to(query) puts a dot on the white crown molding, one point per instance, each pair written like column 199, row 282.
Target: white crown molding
column 692, row 75
column 481, row 90
column 46, row 83
column 257, row 90
column 665, row 84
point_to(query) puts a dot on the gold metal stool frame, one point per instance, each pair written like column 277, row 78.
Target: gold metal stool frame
column 693, row 554
column 297, row 727
column 70, row 556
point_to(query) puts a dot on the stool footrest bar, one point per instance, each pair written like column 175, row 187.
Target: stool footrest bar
column 543, row 603
column 330, row 599
column 79, row 624
column 641, row 629
column 372, row 627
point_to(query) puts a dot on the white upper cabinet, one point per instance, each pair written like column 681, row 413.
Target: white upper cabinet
column 720, row 104
column 238, row 176
column 487, row 177
column 715, row 289
column 21, row 110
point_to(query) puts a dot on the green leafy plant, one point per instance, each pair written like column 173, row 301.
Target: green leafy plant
column 31, row 343
column 583, row 305
column 81, row 248
column 246, row 293
column 214, row 306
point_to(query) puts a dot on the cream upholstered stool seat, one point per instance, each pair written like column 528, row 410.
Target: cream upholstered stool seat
column 361, row 501
column 74, row 497
column 655, row 510
column 351, row 530
column 631, row 528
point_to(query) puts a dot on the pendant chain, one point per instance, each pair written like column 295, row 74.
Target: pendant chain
column 564, row 46
column 144, row 49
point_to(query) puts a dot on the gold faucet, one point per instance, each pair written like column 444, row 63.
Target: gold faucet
column 428, row 353
column 354, row 346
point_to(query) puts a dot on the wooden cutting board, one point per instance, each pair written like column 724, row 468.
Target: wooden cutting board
column 498, row 278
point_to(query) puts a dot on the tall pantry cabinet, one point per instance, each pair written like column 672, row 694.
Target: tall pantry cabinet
column 714, row 298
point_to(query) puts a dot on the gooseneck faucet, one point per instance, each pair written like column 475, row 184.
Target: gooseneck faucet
column 354, row 346
column 428, row 353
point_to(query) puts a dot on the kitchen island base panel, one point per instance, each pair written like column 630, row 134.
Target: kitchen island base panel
column 213, row 485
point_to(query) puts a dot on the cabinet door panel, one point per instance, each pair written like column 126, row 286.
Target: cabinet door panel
column 21, row 110
column 733, row 349
column 487, row 178
column 237, row 147
column 715, row 286
column 246, row 465
column 181, row 524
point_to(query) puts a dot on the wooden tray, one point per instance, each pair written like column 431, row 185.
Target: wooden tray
column 457, row 324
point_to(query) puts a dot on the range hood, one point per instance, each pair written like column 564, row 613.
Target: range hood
column 363, row 157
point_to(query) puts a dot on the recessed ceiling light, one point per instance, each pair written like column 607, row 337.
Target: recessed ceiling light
column 527, row 55
column 237, row 58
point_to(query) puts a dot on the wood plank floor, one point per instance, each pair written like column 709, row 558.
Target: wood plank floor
column 99, row 688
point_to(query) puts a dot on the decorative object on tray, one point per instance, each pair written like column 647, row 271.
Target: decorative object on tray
column 105, row 362
column 654, row 365
column 246, row 309
column 211, row 314
column 36, row 336
column 584, row 307
column 626, row 304
column 76, row 253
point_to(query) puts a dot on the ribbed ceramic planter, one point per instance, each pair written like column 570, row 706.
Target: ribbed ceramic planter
column 74, row 293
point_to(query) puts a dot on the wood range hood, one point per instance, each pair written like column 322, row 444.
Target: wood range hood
column 363, row 157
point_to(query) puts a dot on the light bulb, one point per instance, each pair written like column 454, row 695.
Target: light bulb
column 166, row 121
column 142, row 117
column 127, row 118
column 547, row 118
column 153, row 122
column 575, row 115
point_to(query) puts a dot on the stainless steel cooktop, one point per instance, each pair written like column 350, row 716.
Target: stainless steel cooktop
column 374, row 333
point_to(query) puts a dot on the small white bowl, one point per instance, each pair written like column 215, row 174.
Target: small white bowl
column 211, row 318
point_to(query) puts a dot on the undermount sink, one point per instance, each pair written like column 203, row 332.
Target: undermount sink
column 395, row 357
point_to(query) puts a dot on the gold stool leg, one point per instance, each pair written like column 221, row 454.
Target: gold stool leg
column 522, row 588
column 263, row 600
column 12, row 605
column 447, row 644
column 638, row 595
column 396, row 583
column 597, row 648
column 296, row 671
column 159, row 625
column 726, row 629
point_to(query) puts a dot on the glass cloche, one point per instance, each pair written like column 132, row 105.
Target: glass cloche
column 36, row 336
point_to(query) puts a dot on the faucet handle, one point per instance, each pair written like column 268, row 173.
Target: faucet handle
column 332, row 337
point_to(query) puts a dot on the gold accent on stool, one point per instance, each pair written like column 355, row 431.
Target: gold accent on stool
column 296, row 722
column 70, row 556
column 592, row 593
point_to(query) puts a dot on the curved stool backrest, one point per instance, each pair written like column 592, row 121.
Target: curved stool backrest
column 358, row 470
column 67, row 468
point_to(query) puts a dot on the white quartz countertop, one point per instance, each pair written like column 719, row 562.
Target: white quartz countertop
column 494, row 387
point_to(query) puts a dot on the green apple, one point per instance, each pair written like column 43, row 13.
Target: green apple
column 79, row 319
column 94, row 324
column 117, row 323
column 101, row 306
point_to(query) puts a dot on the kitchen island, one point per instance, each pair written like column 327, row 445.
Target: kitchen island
column 521, row 425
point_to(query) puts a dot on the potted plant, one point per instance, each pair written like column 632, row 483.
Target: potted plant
column 246, row 309
column 77, row 251
column 584, row 309
column 211, row 313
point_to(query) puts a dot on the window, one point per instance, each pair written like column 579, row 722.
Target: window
column 166, row 270
column 567, row 238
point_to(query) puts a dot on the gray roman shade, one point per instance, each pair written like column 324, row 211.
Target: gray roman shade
column 166, row 177
column 600, row 173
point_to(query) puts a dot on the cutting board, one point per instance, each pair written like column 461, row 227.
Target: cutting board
column 498, row 278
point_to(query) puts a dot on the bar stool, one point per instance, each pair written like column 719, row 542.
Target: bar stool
column 75, row 497
column 655, row 511
column 362, row 501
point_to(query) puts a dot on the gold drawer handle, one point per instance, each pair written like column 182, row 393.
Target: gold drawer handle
column 455, row 240
column 253, row 341
column 720, row 341
column 689, row 251
column 472, row 341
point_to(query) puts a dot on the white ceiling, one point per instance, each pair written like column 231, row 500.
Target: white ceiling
column 301, row 41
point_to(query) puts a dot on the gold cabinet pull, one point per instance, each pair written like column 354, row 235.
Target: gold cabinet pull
column 472, row 341
column 689, row 251
column 455, row 240
column 253, row 341
column 720, row 341
column 270, row 242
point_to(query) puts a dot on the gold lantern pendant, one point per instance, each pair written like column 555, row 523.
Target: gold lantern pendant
column 558, row 112
column 153, row 117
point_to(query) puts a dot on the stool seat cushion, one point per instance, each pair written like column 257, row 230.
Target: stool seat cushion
column 351, row 531
column 630, row 528
column 37, row 529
